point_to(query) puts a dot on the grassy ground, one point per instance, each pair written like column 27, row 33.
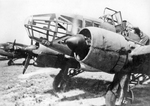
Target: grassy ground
column 35, row 88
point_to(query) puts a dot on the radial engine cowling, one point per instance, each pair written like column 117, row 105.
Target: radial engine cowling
column 106, row 50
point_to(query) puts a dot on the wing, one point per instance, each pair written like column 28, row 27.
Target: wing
column 141, row 50
column 18, row 44
column 5, row 53
column 141, row 59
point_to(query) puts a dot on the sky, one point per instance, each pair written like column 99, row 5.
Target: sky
column 13, row 13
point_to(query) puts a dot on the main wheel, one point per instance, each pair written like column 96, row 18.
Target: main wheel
column 10, row 62
column 59, row 83
column 61, row 80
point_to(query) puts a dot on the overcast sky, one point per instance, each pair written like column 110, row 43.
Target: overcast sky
column 14, row 12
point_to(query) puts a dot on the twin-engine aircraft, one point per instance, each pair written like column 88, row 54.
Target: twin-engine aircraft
column 80, row 44
column 13, row 51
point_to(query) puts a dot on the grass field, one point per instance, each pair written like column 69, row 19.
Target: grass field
column 35, row 88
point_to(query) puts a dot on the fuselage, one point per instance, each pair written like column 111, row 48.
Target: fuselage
column 107, row 44
column 52, row 30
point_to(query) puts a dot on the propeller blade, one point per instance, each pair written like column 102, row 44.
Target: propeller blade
column 29, row 57
column 27, row 61
column 14, row 44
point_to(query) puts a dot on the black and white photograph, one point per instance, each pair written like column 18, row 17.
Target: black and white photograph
column 74, row 53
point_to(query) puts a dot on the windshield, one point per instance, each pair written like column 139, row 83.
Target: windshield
column 113, row 17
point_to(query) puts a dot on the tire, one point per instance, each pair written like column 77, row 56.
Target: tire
column 10, row 62
column 61, row 81
column 57, row 82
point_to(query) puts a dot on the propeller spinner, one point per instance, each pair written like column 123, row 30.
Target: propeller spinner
column 78, row 45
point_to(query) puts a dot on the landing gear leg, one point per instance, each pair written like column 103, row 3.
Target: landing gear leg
column 110, row 98
column 117, row 89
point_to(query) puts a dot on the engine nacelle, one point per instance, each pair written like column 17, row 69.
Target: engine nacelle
column 107, row 51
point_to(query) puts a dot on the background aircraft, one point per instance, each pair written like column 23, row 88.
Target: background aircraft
column 92, row 45
column 13, row 51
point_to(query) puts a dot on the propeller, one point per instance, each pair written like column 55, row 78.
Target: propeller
column 29, row 55
column 13, row 46
column 27, row 61
column 78, row 45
